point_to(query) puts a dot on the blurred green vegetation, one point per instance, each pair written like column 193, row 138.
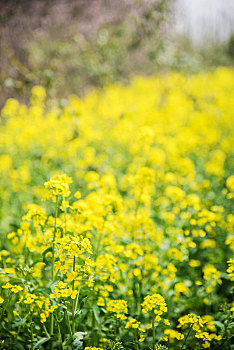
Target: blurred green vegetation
column 71, row 48
column 66, row 55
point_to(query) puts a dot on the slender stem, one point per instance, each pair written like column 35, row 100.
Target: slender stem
column 60, row 335
column 52, row 269
column 73, row 300
column 93, row 328
column 185, row 339
column 116, row 327
column 153, row 332
column 137, row 344
column 134, row 288
column 54, row 233
column 65, row 219
column 77, row 298
column 140, row 295
column 32, row 339
column 68, row 322
column 46, row 332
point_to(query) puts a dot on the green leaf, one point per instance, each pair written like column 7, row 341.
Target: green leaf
column 231, row 325
column 78, row 312
column 20, row 322
column 104, row 310
column 225, row 275
column 68, row 340
column 217, row 323
column 16, row 280
column 96, row 312
column 40, row 343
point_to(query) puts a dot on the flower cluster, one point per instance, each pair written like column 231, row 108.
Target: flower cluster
column 230, row 269
column 197, row 324
column 62, row 291
column 155, row 303
column 118, row 307
column 58, row 185
column 12, row 288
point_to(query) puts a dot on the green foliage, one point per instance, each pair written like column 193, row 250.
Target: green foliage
column 230, row 46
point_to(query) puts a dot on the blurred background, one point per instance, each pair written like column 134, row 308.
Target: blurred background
column 70, row 46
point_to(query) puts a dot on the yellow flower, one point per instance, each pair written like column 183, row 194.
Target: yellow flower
column 7, row 286
column 194, row 263
column 173, row 334
column 101, row 301
column 154, row 302
column 119, row 307
column 74, row 294
column 230, row 183
column 77, row 195
column 16, row 289
column 141, row 339
column 58, row 185
column 180, row 288
column 133, row 323
column 43, row 317
column 71, row 276
column 164, row 338
column 230, row 269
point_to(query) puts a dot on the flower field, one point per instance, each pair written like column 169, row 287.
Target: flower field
column 116, row 217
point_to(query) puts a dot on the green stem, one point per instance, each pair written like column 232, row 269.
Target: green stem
column 137, row 344
column 134, row 288
column 77, row 298
column 153, row 332
column 53, row 244
column 116, row 328
column 65, row 219
column 93, row 328
column 52, row 268
column 32, row 339
column 140, row 295
column 60, row 335
column 185, row 339
column 73, row 300
column 68, row 322
column 46, row 332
